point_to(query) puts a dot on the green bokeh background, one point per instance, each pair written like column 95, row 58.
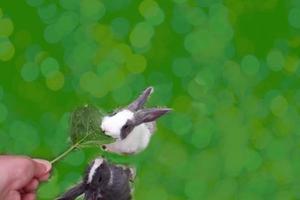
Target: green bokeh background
column 230, row 70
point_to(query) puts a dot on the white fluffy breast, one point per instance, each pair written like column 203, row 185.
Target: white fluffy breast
column 135, row 142
column 112, row 125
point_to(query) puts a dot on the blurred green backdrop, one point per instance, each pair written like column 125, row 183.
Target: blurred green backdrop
column 230, row 69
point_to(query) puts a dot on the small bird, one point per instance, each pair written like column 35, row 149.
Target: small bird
column 103, row 181
column 132, row 126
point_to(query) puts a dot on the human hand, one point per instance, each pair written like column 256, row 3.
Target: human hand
column 20, row 177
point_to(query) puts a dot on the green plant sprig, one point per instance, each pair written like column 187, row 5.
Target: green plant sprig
column 84, row 130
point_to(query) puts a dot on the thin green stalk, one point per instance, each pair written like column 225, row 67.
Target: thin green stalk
column 69, row 150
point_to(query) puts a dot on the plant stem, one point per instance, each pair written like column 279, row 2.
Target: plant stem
column 69, row 150
column 63, row 154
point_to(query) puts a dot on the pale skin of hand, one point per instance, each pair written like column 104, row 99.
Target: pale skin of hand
column 20, row 177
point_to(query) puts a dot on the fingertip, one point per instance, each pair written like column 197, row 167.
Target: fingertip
column 44, row 177
column 42, row 167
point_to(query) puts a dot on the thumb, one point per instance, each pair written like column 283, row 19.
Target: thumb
column 42, row 167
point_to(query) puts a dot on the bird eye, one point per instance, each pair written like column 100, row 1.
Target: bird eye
column 126, row 126
column 99, row 179
column 114, row 112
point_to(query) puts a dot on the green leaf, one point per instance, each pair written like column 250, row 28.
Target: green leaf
column 85, row 124
column 85, row 130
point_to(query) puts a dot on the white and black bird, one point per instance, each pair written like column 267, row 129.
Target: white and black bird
column 132, row 126
column 103, row 181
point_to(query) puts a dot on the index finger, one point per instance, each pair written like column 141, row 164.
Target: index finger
column 42, row 167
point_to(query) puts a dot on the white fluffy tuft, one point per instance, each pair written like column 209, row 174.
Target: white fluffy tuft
column 96, row 164
column 112, row 124
column 135, row 142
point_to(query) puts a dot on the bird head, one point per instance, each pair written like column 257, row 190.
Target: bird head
column 120, row 123
column 98, row 173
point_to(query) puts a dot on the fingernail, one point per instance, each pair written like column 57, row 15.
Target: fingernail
column 46, row 164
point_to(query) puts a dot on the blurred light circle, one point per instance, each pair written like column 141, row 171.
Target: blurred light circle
column 150, row 193
column 7, row 49
column 40, row 56
column 91, row 83
column 141, row 35
column 225, row 188
column 105, row 66
column 181, row 123
column 116, row 55
column 217, row 9
column 87, row 80
column 64, row 120
column 92, row 9
column 294, row 17
column 202, row 134
column 55, row 81
column 250, row 65
column 47, row 12
column 30, row 71
column 151, row 11
column 179, row 1
column 6, row 27
column 6, row 141
column 136, row 82
column 125, row 49
column 296, row 97
column 26, row 138
column 195, row 189
column 35, row 3
column 112, row 80
column 279, row 105
column 254, row 160
column 159, row 78
column 172, row 153
column 144, row 49
column 49, row 66
column 196, row 90
column 179, row 21
column 219, row 24
column 69, row 4
column 204, row 44
column 32, row 51
column 3, row 112
column 136, row 63
column 52, row 34
column 275, row 60
column 120, row 27
column 1, row 92
column 196, row 16
column 292, row 64
column 122, row 95
column 205, row 78
column 66, row 23
column 182, row 67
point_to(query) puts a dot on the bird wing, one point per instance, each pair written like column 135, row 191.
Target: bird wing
column 73, row 193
